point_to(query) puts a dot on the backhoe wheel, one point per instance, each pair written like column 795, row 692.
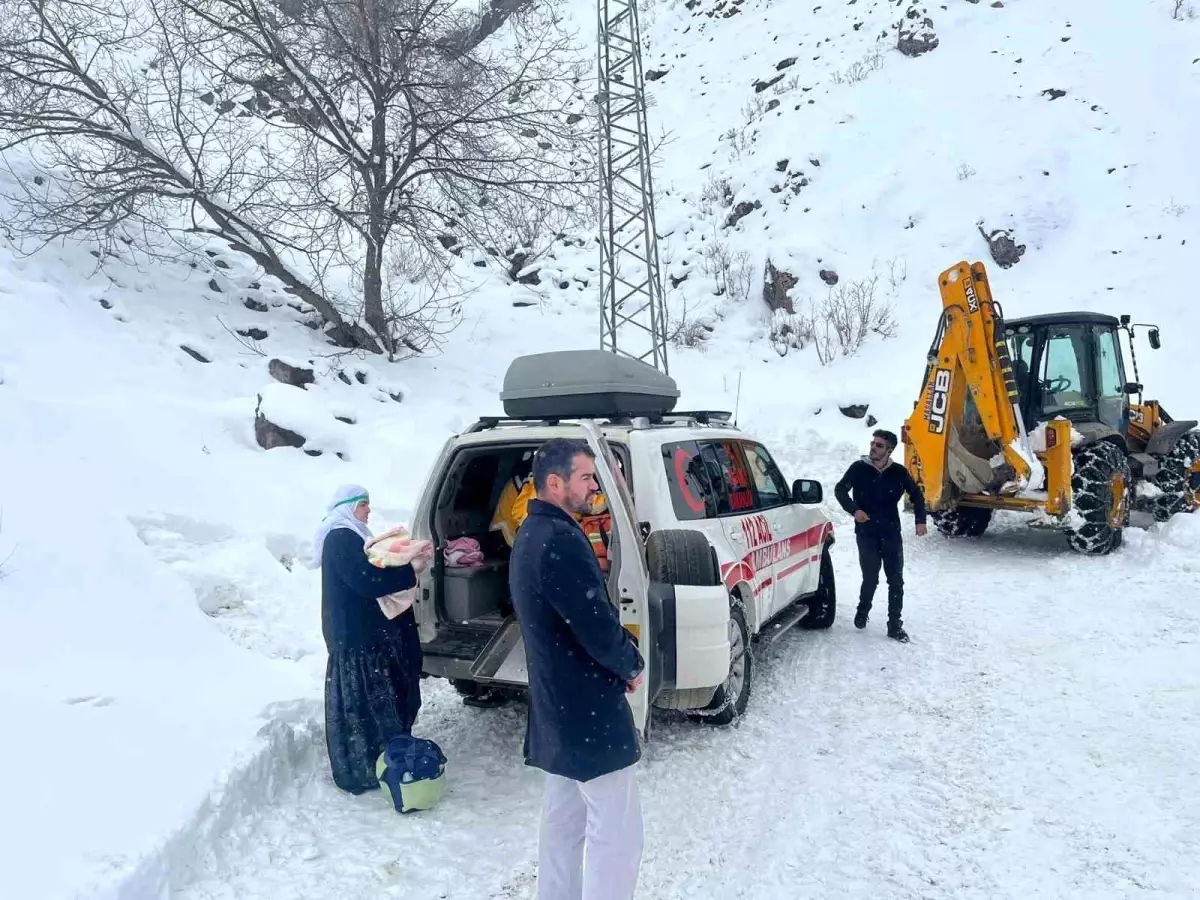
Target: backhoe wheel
column 1179, row 478
column 962, row 521
column 1100, row 491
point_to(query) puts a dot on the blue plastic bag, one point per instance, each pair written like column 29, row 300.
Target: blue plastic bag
column 412, row 773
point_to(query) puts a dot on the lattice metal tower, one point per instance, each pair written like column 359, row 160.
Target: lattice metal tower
column 632, row 307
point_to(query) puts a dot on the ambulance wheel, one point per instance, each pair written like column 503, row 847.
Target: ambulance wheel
column 822, row 609
column 730, row 701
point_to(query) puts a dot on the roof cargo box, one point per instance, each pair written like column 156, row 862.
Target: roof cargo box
column 569, row 384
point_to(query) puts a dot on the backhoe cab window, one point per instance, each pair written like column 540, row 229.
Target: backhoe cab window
column 1065, row 369
column 1112, row 381
column 1113, row 406
column 1020, row 349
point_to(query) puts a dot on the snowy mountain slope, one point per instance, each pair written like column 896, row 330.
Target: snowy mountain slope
column 152, row 643
column 897, row 159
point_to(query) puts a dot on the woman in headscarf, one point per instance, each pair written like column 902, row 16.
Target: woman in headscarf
column 372, row 678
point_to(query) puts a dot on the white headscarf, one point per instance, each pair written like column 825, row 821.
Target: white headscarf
column 339, row 514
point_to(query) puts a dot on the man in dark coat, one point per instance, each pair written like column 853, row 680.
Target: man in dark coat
column 581, row 664
column 372, row 676
column 877, row 484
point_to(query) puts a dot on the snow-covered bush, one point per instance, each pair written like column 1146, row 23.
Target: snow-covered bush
column 848, row 315
column 790, row 331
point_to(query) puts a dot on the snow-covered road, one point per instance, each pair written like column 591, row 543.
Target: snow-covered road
column 1036, row 739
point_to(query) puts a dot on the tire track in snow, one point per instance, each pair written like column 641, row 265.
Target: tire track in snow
column 845, row 798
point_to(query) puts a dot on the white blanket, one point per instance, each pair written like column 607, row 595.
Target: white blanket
column 396, row 548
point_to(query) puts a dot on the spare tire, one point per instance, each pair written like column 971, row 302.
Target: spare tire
column 677, row 556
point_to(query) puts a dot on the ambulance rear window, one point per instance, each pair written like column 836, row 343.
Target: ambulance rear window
column 692, row 496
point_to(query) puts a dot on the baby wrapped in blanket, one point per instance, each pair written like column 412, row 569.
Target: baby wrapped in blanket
column 396, row 548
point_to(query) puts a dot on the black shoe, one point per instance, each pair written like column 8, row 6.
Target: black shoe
column 488, row 699
column 896, row 633
column 860, row 619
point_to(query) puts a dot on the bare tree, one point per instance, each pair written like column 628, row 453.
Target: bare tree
column 404, row 124
column 332, row 141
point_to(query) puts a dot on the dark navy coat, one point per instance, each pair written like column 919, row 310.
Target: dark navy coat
column 350, row 585
column 580, row 659
column 878, row 493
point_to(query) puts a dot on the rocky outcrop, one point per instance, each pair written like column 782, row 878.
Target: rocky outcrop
column 1005, row 251
column 740, row 212
column 268, row 435
column 194, row 353
column 517, row 261
column 286, row 373
column 915, row 31
column 776, row 284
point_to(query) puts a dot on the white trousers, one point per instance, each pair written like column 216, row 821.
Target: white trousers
column 590, row 842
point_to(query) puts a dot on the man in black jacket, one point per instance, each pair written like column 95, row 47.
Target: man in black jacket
column 877, row 484
column 581, row 664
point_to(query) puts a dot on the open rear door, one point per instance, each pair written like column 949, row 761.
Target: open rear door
column 628, row 580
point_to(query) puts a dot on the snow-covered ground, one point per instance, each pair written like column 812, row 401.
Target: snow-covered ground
column 160, row 656
column 1034, row 741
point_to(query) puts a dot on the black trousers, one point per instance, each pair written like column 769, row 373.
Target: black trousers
column 875, row 548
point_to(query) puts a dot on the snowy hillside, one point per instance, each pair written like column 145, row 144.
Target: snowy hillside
column 161, row 662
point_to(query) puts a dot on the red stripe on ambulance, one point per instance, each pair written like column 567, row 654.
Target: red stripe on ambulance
column 765, row 552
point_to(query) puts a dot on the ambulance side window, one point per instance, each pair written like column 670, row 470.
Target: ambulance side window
column 768, row 480
column 730, row 479
column 692, row 494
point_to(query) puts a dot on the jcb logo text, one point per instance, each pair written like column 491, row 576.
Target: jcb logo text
column 939, row 400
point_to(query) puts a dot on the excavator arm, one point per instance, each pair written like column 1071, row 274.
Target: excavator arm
column 966, row 438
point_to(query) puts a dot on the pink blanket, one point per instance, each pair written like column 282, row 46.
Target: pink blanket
column 463, row 552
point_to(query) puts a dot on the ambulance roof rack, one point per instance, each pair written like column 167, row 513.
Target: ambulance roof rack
column 707, row 417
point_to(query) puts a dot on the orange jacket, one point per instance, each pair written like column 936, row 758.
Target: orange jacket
column 597, row 529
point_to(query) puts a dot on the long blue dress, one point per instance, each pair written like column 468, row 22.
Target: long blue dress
column 372, row 677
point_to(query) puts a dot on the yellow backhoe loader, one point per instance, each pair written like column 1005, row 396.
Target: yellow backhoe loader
column 1035, row 415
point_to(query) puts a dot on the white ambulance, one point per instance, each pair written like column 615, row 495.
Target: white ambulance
column 710, row 548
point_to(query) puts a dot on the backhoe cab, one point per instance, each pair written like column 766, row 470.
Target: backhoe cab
column 1035, row 415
